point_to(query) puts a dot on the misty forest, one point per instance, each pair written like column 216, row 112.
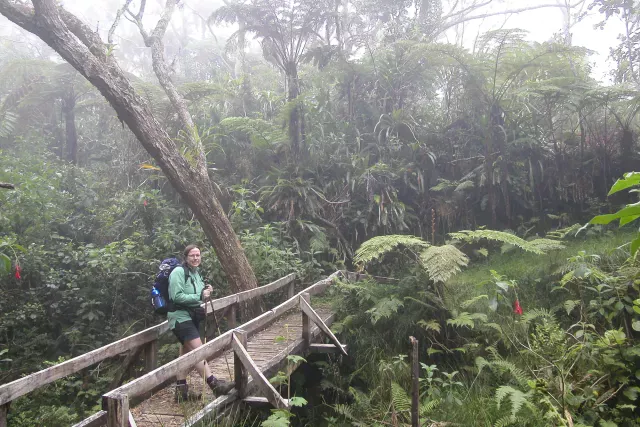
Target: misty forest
column 466, row 181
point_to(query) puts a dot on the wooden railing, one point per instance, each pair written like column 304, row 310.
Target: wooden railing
column 145, row 341
column 115, row 404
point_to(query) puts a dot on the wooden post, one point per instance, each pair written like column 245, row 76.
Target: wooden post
column 4, row 411
column 239, row 371
column 306, row 322
column 291, row 290
column 151, row 356
column 117, row 407
column 231, row 320
column 415, row 383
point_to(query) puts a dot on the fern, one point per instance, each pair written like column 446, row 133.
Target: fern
column 428, row 406
column 430, row 325
column 442, row 262
column 474, row 300
column 379, row 246
column 546, row 245
column 385, row 308
column 516, row 397
column 518, row 374
column 400, row 398
column 465, row 319
column 499, row 236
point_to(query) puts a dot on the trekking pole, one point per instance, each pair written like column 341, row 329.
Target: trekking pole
column 215, row 321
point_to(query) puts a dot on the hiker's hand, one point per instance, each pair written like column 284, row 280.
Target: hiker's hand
column 206, row 293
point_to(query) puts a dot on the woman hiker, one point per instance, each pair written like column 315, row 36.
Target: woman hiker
column 187, row 295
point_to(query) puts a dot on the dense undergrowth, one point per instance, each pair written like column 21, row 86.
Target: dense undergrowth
column 570, row 358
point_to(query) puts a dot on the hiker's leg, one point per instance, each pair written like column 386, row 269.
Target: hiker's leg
column 202, row 367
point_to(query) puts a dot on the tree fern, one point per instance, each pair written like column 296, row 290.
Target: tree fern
column 499, row 236
column 379, row 246
column 442, row 262
column 546, row 245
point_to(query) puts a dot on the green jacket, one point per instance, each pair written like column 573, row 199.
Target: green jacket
column 184, row 294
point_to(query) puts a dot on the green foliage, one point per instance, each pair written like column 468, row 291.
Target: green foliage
column 443, row 262
column 375, row 248
column 537, row 246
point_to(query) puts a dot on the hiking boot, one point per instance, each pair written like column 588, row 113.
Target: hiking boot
column 182, row 394
column 220, row 387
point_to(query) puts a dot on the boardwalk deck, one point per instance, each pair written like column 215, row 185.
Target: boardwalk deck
column 268, row 353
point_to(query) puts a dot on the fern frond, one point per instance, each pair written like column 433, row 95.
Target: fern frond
column 516, row 397
column 472, row 301
column 465, row 319
column 442, row 262
column 428, row 406
column 546, row 245
column 499, row 236
column 377, row 247
column 518, row 374
column 400, row 398
column 537, row 313
column 509, row 420
column 430, row 325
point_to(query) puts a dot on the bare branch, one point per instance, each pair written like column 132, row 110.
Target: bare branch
column 464, row 18
column 117, row 20
column 7, row 185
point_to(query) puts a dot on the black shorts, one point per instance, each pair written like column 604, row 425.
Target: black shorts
column 187, row 331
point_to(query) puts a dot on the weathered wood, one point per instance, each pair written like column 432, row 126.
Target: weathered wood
column 130, row 360
column 98, row 419
column 298, row 347
column 7, row 185
column 306, row 323
column 166, row 372
column 132, row 421
column 4, row 412
column 22, row 386
column 415, row 383
column 291, row 290
column 356, row 277
column 117, row 408
column 256, row 401
column 214, row 406
column 239, row 371
column 240, row 297
column 325, row 348
column 151, row 356
column 231, row 320
column 306, row 308
column 263, row 384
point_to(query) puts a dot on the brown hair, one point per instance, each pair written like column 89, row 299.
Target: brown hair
column 188, row 249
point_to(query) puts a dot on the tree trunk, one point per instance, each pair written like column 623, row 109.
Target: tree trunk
column 86, row 52
column 68, row 109
column 295, row 117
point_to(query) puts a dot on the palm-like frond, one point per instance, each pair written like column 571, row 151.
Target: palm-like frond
column 442, row 262
column 379, row 246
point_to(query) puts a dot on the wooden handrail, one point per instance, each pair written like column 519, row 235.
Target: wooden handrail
column 22, row 386
column 209, row 350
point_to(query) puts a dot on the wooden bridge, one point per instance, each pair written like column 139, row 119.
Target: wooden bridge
column 249, row 353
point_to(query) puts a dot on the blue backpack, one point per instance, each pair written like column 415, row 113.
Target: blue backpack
column 160, row 300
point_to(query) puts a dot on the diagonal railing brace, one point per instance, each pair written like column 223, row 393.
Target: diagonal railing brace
column 310, row 314
column 250, row 367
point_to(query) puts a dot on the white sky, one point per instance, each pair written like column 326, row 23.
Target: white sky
column 541, row 24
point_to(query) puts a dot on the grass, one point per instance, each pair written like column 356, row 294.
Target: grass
column 534, row 273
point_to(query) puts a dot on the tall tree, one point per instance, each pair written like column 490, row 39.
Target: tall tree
column 85, row 51
column 285, row 29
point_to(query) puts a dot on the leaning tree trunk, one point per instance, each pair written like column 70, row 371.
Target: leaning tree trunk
column 85, row 51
